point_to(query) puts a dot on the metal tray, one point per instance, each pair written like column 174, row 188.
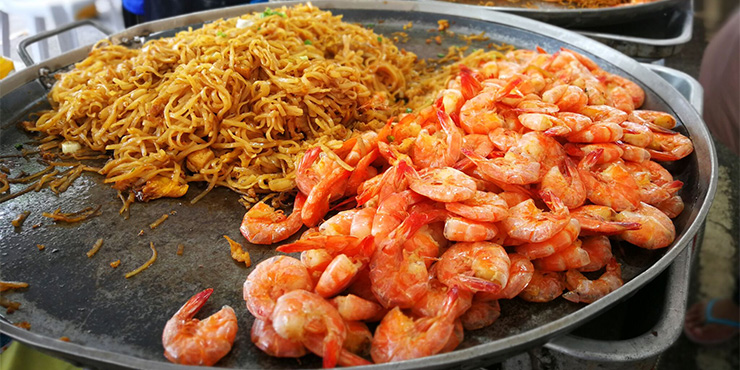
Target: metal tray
column 565, row 16
column 661, row 35
column 114, row 322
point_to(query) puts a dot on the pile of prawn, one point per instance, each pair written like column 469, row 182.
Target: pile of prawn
column 511, row 184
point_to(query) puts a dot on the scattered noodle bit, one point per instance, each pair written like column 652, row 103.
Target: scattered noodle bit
column 73, row 217
column 238, row 253
column 64, row 339
column 141, row 232
column 20, row 219
column 115, row 263
column 438, row 39
column 40, row 247
column 95, row 248
column 173, row 212
column 11, row 306
column 443, row 25
column 7, row 285
column 180, row 249
column 23, row 325
column 146, row 264
column 408, row 26
column 158, row 222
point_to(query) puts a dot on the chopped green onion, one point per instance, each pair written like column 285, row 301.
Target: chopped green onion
column 440, row 55
column 303, row 57
column 409, row 110
column 221, row 34
column 268, row 12
column 307, row 42
column 370, row 25
column 380, row 39
column 390, row 138
column 18, row 146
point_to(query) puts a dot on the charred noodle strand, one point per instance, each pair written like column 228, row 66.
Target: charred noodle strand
column 231, row 106
column 95, row 248
column 20, row 219
column 78, row 216
column 146, row 264
column 7, row 285
column 127, row 201
column 29, row 178
column 4, row 185
column 159, row 221
column 238, row 253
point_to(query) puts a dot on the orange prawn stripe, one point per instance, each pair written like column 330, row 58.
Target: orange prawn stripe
column 510, row 185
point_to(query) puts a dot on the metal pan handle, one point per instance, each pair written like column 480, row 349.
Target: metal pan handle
column 23, row 45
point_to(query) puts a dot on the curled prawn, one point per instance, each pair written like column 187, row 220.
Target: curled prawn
column 443, row 184
column 566, row 185
column 544, row 286
column 656, row 228
column 399, row 337
column 476, row 266
column 189, row 341
column 265, row 338
column 528, row 223
column 521, row 271
column 263, row 225
column 269, row 280
column 581, row 289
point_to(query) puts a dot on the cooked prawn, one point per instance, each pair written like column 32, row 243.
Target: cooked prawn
column 528, row 223
column 558, row 242
column 269, row 280
column 669, row 147
column 571, row 257
column 612, row 186
column 656, row 228
column 399, row 337
column 263, row 225
column 596, row 219
column 265, row 338
column 599, row 250
column 306, row 317
column 443, row 184
column 481, row 314
column 354, row 308
column 520, row 274
column 477, row 266
column 482, row 206
column 565, row 185
column 543, row 287
column 581, row 289
column 189, row 341
column 460, row 229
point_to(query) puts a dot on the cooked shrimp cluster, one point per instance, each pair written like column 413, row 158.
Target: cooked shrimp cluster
column 511, row 185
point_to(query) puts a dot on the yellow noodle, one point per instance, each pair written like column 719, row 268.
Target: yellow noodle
column 249, row 100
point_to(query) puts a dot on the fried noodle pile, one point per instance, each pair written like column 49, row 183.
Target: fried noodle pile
column 232, row 103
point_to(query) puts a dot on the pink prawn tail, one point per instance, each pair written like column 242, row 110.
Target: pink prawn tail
column 194, row 304
column 449, row 305
column 331, row 349
column 448, row 125
column 347, row 358
column 511, row 85
column 673, row 187
column 590, row 159
column 470, row 86
column 553, row 202
column 475, row 284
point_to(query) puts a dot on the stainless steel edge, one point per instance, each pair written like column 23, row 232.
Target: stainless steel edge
column 23, row 45
column 648, row 345
column 694, row 91
column 682, row 38
column 470, row 356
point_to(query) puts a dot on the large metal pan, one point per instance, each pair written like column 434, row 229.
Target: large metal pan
column 115, row 322
column 572, row 17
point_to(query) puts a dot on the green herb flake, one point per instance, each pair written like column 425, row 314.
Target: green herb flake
column 370, row 25
column 303, row 57
column 221, row 34
column 380, row 39
column 409, row 110
column 18, row 146
column 440, row 55
column 307, row 42
column 390, row 138
column 268, row 12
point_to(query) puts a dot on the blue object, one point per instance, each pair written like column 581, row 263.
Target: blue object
column 709, row 319
column 4, row 339
column 134, row 6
